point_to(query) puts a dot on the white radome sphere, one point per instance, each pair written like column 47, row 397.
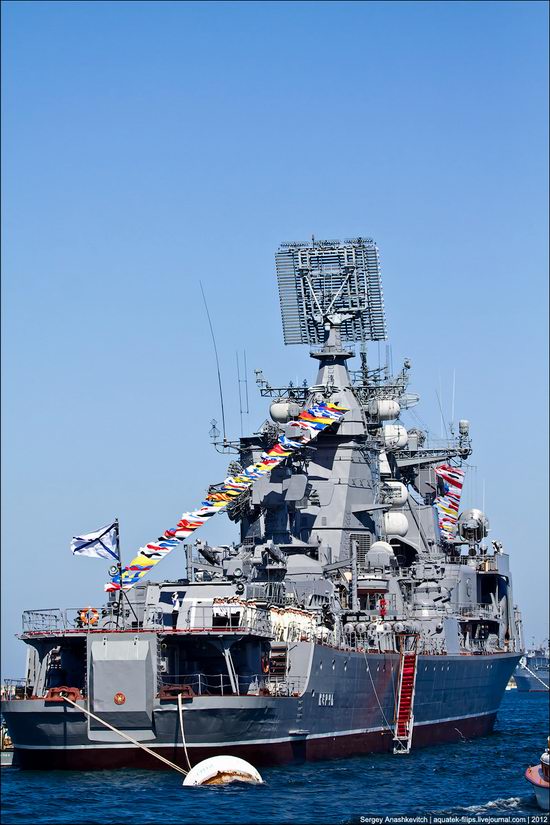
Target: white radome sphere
column 396, row 524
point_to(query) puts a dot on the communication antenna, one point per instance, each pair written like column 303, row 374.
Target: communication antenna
column 443, row 425
column 241, row 381
column 453, row 404
column 217, row 362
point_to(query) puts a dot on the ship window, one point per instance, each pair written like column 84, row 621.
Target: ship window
column 370, row 600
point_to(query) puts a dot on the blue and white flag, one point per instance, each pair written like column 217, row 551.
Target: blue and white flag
column 103, row 544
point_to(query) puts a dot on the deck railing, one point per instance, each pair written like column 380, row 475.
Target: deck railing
column 219, row 684
column 79, row 619
column 476, row 611
column 13, row 689
column 198, row 619
column 225, row 618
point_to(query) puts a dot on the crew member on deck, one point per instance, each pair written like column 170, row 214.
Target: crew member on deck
column 175, row 609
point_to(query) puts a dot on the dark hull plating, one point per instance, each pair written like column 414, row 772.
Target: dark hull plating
column 278, row 753
column 347, row 709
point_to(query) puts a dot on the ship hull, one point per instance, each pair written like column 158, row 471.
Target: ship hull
column 97, row 757
column 347, row 709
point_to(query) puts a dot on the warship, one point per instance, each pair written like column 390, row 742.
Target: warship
column 360, row 610
column 532, row 672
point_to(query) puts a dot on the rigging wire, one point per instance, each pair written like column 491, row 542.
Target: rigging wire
column 217, row 361
column 390, row 728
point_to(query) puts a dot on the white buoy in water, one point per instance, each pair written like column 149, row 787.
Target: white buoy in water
column 219, row 770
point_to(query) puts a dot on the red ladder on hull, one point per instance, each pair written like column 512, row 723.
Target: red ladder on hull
column 404, row 718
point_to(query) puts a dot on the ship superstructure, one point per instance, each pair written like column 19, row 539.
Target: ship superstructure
column 360, row 611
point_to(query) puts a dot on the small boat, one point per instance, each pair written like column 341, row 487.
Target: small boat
column 539, row 777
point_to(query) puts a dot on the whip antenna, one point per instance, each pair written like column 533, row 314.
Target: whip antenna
column 217, row 361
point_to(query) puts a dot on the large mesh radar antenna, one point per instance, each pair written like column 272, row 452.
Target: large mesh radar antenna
column 330, row 282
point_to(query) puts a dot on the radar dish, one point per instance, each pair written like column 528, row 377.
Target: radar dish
column 327, row 280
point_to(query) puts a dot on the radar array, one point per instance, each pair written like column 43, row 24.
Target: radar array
column 330, row 282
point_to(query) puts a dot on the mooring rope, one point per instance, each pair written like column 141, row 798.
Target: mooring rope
column 536, row 677
column 125, row 736
column 180, row 710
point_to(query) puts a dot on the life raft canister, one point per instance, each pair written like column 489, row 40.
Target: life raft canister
column 89, row 616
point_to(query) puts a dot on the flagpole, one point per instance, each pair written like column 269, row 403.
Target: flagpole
column 119, row 566
column 121, row 593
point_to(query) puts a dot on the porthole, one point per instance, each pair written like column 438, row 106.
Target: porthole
column 320, row 665
column 334, row 664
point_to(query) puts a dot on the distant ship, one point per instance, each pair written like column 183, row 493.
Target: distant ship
column 532, row 672
column 360, row 611
column 6, row 745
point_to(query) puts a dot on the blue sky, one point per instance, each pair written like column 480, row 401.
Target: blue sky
column 147, row 146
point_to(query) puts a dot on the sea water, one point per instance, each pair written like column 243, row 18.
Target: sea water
column 479, row 779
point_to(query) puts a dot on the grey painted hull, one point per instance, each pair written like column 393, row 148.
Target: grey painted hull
column 527, row 682
column 348, row 708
